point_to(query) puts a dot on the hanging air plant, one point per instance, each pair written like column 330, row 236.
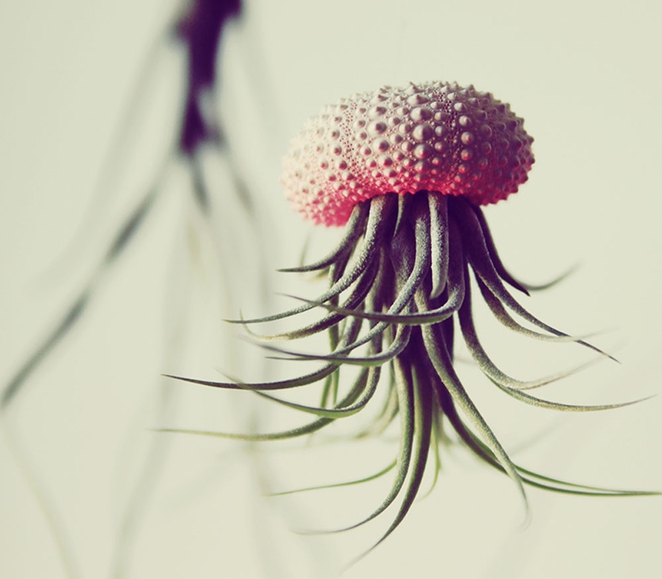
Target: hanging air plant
column 406, row 171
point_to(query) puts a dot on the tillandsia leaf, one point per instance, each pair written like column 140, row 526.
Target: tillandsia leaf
column 333, row 333
column 309, row 428
column 120, row 242
column 271, row 436
column 503, row 272
column 405, row 395
column 535, row 479
column 412, row 271
column 484, row 361
column 378, row 225
column 387, row 414
column 439, row 240
column 335, row 273
column 574, row 488
column 435, row 443
column 354, row 229
column 405, row 202
column 304, row 380
column 514, row 387
column 365, row 385
column 330, row 384
column 535, row 401
column 46, row 347
column 502, row 315
column 455, row 287
column 376, row 359
column 363, row 287
column 528, row 477
column 423, row 408
column 130, row 227
column 494, row 254
column 414, row 319
column 447, row 405
column 440, row 358
column 372, row 477
column 551, row 283
column 482, row 265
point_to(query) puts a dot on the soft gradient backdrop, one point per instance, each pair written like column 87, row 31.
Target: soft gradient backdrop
column 585, row 74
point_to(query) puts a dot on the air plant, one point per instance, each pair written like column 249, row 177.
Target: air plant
column 406, row 171
column 197, row 31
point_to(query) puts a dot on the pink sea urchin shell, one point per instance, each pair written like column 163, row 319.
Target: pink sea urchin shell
column 431, row 136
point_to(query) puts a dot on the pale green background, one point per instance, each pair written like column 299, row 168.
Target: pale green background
column 586, row 77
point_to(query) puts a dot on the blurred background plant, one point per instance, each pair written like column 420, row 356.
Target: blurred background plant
column 583, row 75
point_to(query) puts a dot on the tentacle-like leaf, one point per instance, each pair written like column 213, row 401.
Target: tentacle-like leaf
column 377, row 359
column 378, row 224
column 482, row 265
column 372, row 477
column 405, row 202
column 366, row 384
column 309, row 428
column 492, row 250
column 363, row 287
column 354, row 229
column 502, row 315
column 412, row 271
column 275, row 385
column 436, row 348
column 439, row 239
column 404, row 388
column 485, row 363
column 455, row 285
column 503, row 272
column 271, row 436
column 386, row 415
column 421, row 445
column 435, row 444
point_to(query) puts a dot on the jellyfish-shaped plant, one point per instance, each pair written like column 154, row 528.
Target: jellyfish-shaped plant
column 406, row 171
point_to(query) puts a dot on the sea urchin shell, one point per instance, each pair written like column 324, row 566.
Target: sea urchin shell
column 432, row 136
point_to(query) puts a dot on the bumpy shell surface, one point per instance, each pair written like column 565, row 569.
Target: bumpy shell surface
column 431, row 136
